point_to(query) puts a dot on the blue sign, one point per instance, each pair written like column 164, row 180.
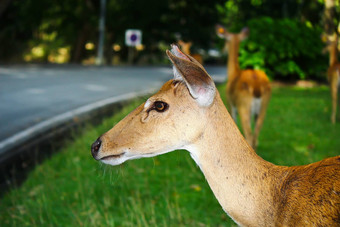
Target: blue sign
column 133, row 37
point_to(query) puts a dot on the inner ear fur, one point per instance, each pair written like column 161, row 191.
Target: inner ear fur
column 191, row 72
column 244, row 33
column 200, row 84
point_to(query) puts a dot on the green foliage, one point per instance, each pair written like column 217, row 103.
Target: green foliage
column 48, row 25
column 284, row 48
column 72, row 189
column 236, row 13
column 23, row 25
column 73, row 24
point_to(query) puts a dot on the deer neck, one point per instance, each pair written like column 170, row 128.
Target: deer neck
column 233, row 64
column 241, row 181
column 333, row 56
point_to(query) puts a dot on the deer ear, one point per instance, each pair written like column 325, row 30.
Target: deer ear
column 198, row 81
column 244, row 33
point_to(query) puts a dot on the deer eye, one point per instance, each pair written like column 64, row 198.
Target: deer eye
column 160, row 106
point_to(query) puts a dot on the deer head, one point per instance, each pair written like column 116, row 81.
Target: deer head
column 185, row 46
column 169, row 120
column 234, row 38
column 223, row 33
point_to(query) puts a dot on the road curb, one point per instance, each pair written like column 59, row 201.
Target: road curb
column 21, row 152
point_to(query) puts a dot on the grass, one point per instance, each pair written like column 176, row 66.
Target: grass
column 72, row 189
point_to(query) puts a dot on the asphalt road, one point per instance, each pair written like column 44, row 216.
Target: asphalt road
column 34, row 97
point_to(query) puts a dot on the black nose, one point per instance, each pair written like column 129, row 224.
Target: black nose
column 95, row 147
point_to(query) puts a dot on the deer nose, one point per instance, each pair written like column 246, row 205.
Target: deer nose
column 95, row 147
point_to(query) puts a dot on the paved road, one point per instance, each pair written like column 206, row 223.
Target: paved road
column 34, row 97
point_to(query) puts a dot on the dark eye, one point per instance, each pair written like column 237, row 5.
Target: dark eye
column 160, row 106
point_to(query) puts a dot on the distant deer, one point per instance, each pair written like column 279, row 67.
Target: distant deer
column 333, row 73
column 248, row 91
column 188, row 113
column 185, row 46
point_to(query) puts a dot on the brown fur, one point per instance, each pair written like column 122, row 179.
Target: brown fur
column 251, row 190
column 316, row 189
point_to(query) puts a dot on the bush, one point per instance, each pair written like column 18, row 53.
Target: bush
column 284, row 49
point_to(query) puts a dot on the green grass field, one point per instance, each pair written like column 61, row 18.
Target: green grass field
column 72, row 189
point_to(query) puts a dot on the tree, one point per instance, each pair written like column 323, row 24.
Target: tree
column 329, row 17
column 74, row 23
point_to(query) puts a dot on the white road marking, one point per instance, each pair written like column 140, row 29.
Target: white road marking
column 31, row 131
column 95, row 87
column 35, row 91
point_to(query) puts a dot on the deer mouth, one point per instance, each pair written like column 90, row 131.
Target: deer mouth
column 113, row 156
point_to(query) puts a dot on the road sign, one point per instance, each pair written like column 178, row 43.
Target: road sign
column 133, row 37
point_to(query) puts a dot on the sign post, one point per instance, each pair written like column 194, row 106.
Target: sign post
column 133, row 38
column 100, row 54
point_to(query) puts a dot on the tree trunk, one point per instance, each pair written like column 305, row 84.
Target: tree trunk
column 328, row 18
column 78, row 50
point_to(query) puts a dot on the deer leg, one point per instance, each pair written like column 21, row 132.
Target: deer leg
column 232, row 109
column 261, row 116
column 234, row 113
column 244, row 112
column 334, row 93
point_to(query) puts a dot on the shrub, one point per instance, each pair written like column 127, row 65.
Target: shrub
column 284, row 49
